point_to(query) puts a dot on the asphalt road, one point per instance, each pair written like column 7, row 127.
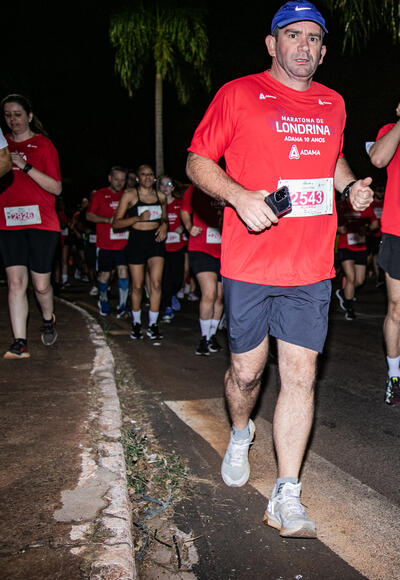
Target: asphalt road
column 350, row 475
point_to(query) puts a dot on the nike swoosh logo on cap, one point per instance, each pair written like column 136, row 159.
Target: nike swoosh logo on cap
column 298, row 8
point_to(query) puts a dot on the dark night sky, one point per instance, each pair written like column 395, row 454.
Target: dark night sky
column 60, row 57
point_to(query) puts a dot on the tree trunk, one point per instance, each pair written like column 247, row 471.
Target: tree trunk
column 159, row 125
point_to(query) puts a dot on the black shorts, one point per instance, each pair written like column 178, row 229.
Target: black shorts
column 373, row 243
column 108, row 260
column 142, row 246
column 203, row 262
column 29, row 247
column 295, row 314
column 359, row 257
column 389, row 255
column 90, row 256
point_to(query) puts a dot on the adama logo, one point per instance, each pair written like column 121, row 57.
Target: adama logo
column 324, row 102
column 262, row 96
column 294, row 153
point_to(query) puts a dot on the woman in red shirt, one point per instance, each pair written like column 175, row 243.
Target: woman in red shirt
column 29, row 227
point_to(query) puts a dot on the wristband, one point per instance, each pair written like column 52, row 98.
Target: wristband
column 346, row 191
column 27, row 167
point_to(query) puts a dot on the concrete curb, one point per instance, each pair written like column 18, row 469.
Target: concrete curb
column 102, row 479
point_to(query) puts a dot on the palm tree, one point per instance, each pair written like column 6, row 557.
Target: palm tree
column 170, row 35
column 361, row 19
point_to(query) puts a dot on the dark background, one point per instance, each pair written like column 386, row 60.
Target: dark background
column 59, row 56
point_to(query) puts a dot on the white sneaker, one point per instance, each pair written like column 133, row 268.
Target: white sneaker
column 94, row 291
column 235, row 468
column 192, row 297
column 285, row 513
column 180, row 294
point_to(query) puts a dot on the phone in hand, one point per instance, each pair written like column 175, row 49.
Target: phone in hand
column 279, row 201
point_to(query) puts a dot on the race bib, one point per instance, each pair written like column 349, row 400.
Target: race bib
column 310, row 197
column 172, row 238
column 355, row 239
column 155, row 211
column 213, row 236
column 118, row 235
column 26, row 215
column 92, row 238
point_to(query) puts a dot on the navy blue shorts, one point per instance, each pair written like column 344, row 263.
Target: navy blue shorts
column 359, row 257
column 294, row 314
column 108, row 260
column 389, row 255
column 29, row 247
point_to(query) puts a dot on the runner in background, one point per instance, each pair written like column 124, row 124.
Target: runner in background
column 202, row 218
column 110, row 241
column 144, row 210
column 29, row 228
column 175, row 248
column 374, row 238
column 353, row 227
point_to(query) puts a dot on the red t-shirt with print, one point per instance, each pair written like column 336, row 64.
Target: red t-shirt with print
column 23, row 203
column 206, row 214
column 174, row 241
column 390, row 222
column 104, row 202
column 272, row 135
column 355, row 222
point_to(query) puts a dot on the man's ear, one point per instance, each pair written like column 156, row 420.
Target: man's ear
column 323, row 53
column 270, row 43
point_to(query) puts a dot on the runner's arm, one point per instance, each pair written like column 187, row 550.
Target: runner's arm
column 214, row 181
column 5, row 161
column 382, row 151
column 361, row 195
column 46, row 182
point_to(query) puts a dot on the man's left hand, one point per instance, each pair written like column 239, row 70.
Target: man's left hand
column 361, row 195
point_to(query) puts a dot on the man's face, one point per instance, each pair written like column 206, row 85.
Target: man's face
column 117, row 181
column 131, row 180
column 298, row 50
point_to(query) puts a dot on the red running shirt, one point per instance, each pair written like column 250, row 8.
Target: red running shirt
column 390, row 223
column 355, row 238
column 23, row 203
column 206, row 214
column 104, row 202
column 269, row 133
column 174, row 241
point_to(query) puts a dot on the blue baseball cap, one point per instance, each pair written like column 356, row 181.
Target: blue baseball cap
column 295, row 12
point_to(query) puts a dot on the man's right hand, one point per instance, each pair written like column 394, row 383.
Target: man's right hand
column 253, row 210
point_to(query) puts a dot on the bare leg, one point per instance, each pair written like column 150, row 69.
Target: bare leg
column 137, row 272
column 17, row 277
column 242, row 383
column 155, row 268
column 44, row 293
column 208, row 286
column 295, row 406
column 391, row 325
column 350, row 274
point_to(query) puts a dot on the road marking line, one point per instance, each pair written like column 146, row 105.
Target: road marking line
column 353, row 520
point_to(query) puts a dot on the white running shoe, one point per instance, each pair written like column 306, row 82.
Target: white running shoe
column 285, row 513
column 94, row 291
column 235, row 468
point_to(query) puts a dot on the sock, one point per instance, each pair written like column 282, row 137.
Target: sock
column 393, row 366
column 205, row 328
column 137, row 316
column 213, row 326
column 123, row 291
column 240, row 434
column 47, row 321
column 348, row 303
column 23, row 340
column 103, row 286
column 153, row 317
column 64, row 278
column 280, row 482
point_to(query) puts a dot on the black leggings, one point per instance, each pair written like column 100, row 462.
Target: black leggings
column 173, row 275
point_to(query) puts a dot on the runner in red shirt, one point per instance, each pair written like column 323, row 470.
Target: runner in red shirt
column 175, row 247
column 29, row 228
column 374, row 238
column 110, row 241
column 202, row 218
column 277, row 128
column 352, row 245
column 385, row 152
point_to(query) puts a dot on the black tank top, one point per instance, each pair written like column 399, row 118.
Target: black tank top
column 140, row 206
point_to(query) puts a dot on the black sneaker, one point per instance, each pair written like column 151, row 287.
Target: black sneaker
column 49, row 332
column 18, row 349
column 136, row 332
column 350, row 314
column 203, row 349
column 213, row 344
column 153, row 333
column 392, row 396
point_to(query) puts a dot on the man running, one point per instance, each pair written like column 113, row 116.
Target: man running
column 277, row 128
column 111, row 242
column 385, row 152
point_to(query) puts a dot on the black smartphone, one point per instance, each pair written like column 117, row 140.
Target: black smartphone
column 279, row 201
